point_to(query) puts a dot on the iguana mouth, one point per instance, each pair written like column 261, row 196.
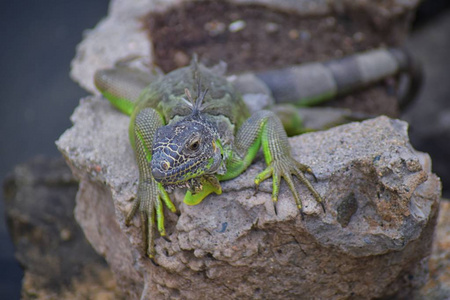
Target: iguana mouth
column 194, row 185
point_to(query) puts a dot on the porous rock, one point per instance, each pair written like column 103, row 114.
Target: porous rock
column 438, row 285
column 380, row 194
column 373, row 240
column 57, row 259
column 120, row 35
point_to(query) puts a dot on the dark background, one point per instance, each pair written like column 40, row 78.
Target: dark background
column 37, row 97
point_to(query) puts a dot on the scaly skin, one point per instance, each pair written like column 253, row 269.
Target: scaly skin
column 196, row 143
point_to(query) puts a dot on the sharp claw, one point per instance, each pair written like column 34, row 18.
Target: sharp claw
column 302, row 215
column 152, row 259
column 256, row 190
column 275, row 208
column 323, row 207
column 309, row 170
column 166, row 238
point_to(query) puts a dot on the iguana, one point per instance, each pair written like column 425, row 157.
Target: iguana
column 181, row 140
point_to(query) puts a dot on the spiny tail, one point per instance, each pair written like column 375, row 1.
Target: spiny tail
column 313, row 83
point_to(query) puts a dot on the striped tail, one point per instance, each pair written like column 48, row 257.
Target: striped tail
column 313, row 83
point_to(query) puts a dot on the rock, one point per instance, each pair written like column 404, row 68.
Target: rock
column 59, row 263
column 373, row 241
column 380, row 194
column 164, row 33
column 438, row 286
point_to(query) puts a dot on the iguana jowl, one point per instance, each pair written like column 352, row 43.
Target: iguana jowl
column 198, row 142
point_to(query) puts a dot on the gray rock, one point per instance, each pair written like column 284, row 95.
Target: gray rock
column 380, row 194
column 374, row 239
column 438, row 285
column 57, row 259
column 120, row 34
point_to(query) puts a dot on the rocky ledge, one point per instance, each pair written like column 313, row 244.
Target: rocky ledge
column 373, row 241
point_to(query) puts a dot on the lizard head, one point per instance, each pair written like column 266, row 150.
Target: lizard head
column 185, row 151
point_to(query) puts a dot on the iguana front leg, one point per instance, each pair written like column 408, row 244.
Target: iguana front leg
column 150, row 193
column 265, row 129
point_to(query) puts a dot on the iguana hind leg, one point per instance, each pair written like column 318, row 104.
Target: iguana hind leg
column 265, row 129
column 122, row 85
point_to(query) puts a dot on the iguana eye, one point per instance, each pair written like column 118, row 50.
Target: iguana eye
column 194, row 145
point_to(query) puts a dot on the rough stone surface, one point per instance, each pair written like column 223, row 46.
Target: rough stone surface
column 381, row 196
column 59, row 263
column 373, row 241
column 121, row 35
column 116, row 37
column 438, row 285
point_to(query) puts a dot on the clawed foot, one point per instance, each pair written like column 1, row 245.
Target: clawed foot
column 149, row 201
column 285, row 168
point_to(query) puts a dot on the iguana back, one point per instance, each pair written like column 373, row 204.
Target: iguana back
column 222, row 100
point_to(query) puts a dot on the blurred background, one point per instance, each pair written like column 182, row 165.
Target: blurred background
column 37, row 96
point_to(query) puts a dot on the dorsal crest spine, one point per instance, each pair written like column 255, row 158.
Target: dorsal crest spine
column 196, row 105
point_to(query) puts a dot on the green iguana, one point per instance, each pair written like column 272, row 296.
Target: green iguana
column 196, row 142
